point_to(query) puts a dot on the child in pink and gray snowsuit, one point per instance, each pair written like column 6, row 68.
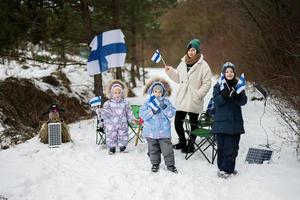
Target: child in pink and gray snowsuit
column 116, row 113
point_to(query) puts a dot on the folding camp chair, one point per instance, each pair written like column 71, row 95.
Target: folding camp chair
column 100, row 134
column 205, row 139
column 136, row 129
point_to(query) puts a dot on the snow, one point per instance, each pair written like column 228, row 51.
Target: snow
column 83, row 170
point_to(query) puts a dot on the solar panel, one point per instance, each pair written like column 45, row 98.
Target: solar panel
column 54, row 134
column 258, row 156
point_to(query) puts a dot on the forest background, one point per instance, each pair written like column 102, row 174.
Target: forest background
column 260, row 36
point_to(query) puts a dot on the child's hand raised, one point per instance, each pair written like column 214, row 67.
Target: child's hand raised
column 154, row 104
column 152, row 98
column 163, row 105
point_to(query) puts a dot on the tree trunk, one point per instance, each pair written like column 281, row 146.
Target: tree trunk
column 133, row 54
column 116, row 14
column 143, row 57
column 98, row 87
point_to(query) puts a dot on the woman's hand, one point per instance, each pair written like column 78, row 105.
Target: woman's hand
column 167, row 68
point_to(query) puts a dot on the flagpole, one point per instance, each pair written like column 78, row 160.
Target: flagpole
column 163, row 61
column 227, row 85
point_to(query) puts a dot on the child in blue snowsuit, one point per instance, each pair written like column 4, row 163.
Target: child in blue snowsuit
column 157, row 112
column 228, row 121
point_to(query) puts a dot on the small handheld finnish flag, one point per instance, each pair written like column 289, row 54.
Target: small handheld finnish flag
column 156, row 57
column 96, row 101
column 153, row 103
column 222, row 81
column 108, row 51
column 241, row 85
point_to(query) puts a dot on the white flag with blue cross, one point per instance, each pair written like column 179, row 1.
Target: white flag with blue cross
column 108, row 51
column 241, row 85
column 96, row 101
column 156, row 57
column 222, row 81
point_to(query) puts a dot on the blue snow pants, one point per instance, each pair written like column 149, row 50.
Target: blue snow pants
column 228, row 146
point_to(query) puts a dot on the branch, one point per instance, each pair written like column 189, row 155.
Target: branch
column 41, row 60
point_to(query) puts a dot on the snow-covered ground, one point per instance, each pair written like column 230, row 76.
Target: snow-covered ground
column 83, row 170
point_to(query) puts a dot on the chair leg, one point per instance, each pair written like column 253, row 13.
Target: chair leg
column 100, row 138
column 199, row 145
column 202, row 151
column 135, row 134
column 97, row 137
column 214, row 149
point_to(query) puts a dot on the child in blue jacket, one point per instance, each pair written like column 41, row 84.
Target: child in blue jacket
column 157, row 112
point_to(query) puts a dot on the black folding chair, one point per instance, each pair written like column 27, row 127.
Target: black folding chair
column 100, row 134
column 205, row 140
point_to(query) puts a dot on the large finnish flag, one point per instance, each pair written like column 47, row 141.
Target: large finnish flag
column 241, row 85
column 108, row 51
column 156, row 57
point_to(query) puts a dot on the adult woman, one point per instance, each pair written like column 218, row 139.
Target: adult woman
column 194, row 78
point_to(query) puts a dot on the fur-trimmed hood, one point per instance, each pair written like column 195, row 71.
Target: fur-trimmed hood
column 108, row 88
column 158, row 80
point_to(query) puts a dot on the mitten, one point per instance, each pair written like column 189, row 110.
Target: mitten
column 225, row 93
column 152, row 98
column 232, row 93
column 163, row 105
column 155, row 111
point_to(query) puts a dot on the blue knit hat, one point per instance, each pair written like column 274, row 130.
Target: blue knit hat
column 194, row 43
column 226, row 65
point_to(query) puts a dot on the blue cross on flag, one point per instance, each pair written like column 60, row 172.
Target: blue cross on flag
column 156, row 57
column 108, row 51
column 241, row 85
column 222, row 81
column 96, row 101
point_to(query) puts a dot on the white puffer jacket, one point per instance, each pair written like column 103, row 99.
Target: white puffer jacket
column 193, row 85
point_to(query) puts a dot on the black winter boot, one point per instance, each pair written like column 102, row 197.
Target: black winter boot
column 123, row 149
column 172, row 168
column 180, row 145
column 112, row 150
column 189, row 148
column 155, row 168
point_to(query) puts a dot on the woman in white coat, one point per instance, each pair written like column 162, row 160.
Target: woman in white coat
column 193, row 75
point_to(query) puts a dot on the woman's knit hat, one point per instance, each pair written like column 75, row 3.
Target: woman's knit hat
column 194, row 43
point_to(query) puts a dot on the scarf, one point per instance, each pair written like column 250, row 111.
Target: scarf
column 193, row 60
column 232, row 83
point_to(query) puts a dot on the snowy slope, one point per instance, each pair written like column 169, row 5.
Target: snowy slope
column 83, row 170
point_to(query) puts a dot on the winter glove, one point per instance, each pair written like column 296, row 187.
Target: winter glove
column 152, row 98
column 155, row 111
column 225, row 93
column 228, row 94
column 163, row 105
column 232, row 93
column 154, row 104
